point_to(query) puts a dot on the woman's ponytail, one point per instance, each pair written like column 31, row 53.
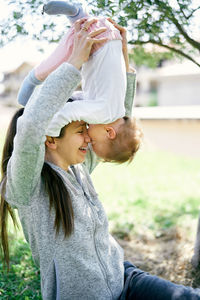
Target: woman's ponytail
column 5, row 208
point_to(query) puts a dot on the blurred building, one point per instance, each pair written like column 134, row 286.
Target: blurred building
column 168, row 107
column 173, row 128
column 11, row 81
column 172, row 84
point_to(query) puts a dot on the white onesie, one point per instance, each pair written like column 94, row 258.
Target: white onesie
column 104, row 89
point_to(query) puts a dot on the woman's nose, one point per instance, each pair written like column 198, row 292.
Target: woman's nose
column 87, row 138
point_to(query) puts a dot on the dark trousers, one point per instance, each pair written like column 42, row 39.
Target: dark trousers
column 139, row 285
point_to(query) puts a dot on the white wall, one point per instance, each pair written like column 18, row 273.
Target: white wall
column 181, row 137
column 179, row 90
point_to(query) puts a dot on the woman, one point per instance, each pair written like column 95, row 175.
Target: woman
column 60, row 232
column 61, row 216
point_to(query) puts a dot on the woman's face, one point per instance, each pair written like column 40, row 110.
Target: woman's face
column 72, row 147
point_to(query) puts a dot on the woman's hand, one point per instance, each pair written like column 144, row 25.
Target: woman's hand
column 122, row 31
column 83, row 41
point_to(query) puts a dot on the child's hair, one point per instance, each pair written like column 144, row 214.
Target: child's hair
column 126, row 143
column 59, row 197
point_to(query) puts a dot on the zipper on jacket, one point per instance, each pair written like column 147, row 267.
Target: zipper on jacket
column 92, row 205
column 97, row 252
column 88, row 198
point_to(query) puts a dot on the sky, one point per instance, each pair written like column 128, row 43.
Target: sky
column 3, row 9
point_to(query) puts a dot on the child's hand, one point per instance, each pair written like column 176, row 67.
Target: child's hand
column 122, row 31
column 83, row 41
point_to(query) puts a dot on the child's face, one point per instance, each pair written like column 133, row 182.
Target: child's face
column 99, row 136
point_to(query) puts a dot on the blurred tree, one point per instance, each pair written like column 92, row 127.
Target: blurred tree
column 164, row 24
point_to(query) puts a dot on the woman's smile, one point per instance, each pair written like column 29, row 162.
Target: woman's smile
column 83, row 150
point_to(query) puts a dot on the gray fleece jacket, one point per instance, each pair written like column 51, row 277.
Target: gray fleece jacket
column 88, row 264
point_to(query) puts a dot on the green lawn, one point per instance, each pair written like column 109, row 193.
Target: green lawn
column 156, row 191
column 23, row 280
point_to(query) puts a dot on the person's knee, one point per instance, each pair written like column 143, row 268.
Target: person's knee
column 185, row 293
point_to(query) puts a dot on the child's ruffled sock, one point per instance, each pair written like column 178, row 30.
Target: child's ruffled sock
column 72, row 11
column 28, row 85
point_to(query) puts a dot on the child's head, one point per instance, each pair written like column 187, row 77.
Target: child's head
column 117, row 141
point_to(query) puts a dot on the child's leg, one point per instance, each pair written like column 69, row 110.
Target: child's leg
column 40, row 72
column 64, row 49
column 27, row 87
column 59, row 55
column 140, row 285
column 104, row 79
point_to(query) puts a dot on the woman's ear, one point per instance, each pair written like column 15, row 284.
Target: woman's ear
column 51, row 142
column 111, row 133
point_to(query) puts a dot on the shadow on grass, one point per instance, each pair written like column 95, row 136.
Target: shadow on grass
column 165, row 251
column 23, row 279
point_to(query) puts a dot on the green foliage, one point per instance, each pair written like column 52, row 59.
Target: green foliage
column 23, row 279
column 26, row 19
column 140, row 56
column 17, row 15
column 154, row 22
column 159, row 23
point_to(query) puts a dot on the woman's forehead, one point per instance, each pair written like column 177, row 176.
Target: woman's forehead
column 79, row 123
column 76, row 124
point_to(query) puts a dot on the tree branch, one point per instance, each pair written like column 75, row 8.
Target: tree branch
column 189, row 16
column 192, row 12
column 167, row 47
column 182, row 10
column 172, row 18
column 191, row 41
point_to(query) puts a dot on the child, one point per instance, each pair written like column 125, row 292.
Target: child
column 115, row 138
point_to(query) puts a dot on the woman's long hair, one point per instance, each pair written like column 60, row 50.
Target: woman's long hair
column 58, row 195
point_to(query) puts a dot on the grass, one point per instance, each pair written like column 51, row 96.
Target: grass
column 157, row 191
column 23, row 280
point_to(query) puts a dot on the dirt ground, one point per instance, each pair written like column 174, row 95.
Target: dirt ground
column 167, row 256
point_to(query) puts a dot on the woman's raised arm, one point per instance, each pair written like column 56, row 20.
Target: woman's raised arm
column 25, row 165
